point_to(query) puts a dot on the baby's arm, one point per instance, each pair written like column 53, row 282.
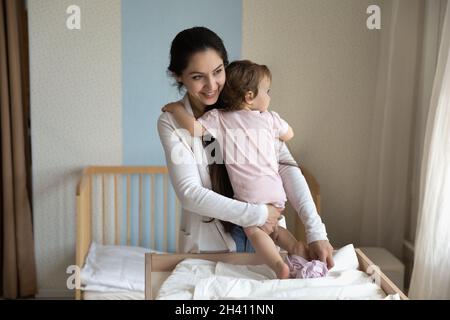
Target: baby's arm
column 184, row 119
column 280, row 126
column 288, row 135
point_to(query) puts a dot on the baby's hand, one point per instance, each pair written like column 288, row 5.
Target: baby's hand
column 172, row 106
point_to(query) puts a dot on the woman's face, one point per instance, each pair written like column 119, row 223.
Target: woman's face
column 204, row 77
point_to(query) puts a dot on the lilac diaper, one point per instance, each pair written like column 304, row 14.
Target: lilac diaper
column 301, row 268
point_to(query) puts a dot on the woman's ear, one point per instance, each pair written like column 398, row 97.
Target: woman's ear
column 249, row 97
column 176, row 77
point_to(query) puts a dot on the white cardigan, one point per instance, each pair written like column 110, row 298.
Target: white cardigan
column 188, row 170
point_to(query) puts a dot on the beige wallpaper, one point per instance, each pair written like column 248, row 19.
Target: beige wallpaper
column 76, row 120
column 324, row 65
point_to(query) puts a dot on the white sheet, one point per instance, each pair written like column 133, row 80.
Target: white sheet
column 114, row 269
column 199, row 279
column 180, row 285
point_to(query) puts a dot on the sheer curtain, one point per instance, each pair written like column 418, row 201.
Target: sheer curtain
column 431, row 275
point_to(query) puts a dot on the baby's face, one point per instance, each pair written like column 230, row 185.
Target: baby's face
column 262, row 100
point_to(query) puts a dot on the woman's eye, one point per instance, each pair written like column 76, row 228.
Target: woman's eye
column 218, row 71
column 196, row 77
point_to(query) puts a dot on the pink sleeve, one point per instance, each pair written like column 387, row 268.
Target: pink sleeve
column 210, row 120
column 280, row 126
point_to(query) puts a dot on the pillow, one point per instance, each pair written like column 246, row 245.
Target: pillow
column 345, row 259
column 114, row 268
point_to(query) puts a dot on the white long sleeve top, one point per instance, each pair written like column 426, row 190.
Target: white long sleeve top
column 188, row 171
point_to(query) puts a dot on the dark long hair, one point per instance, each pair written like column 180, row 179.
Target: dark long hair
column 220, row 181
column 185, row 44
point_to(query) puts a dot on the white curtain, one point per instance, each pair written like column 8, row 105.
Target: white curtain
column 386, row 203
column 431, row 272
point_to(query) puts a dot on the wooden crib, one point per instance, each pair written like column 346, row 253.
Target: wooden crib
column 93, row 204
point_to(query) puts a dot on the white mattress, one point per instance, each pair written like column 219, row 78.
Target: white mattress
column 201, row 279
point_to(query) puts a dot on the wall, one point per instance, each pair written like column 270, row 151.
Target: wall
column 76, row 120
column 324, row 65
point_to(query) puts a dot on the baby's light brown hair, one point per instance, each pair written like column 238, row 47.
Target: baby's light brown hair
column 242, row 76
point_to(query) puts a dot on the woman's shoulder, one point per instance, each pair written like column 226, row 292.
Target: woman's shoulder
column 165, row 118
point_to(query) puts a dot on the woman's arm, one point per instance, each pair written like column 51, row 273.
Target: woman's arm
column 185, row 177
column 299, row 196
column 185, row 119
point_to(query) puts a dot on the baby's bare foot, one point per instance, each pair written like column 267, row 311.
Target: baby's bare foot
column 282, row 270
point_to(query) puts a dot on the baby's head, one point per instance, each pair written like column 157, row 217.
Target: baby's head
column 247, row 85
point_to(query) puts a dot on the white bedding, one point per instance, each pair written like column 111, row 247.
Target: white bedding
column 115, row 270
column 201, row 279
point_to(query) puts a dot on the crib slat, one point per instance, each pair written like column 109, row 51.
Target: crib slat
column 165, row 212
column 140, row 210
column 152, row 218
column 128, row 211
column 91, row 205
column 116, row 218
column 103, row 209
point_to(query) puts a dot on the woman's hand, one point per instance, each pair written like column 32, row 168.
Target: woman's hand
column 323, row 251
column 272, row 219
column 170, row 107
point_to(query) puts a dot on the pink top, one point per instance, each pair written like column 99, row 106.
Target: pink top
column 246, row 139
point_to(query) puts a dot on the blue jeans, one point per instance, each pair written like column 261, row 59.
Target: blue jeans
column 242, row 242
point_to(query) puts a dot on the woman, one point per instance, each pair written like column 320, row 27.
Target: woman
column 198, row 60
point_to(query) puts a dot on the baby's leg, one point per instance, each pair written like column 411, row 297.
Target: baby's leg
column 287, row 241
column 265, row 246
